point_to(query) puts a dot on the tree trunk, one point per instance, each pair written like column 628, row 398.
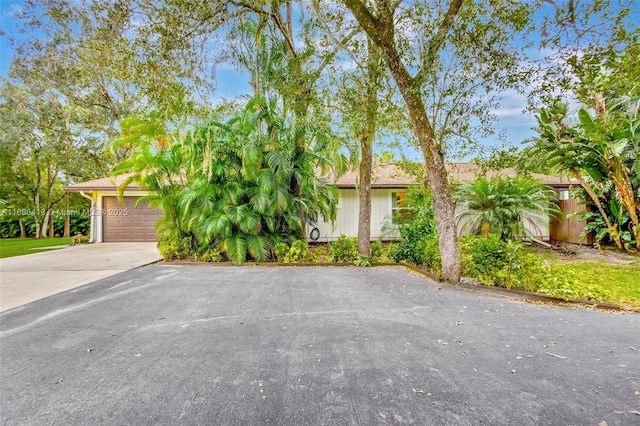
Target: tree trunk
column 613, row 232
column 299, row 152
column 364, row 198
column 23, row 230
column 45, row 224
column 380, row 28
column 443, row 205
column 38, row 225
column 367, row 136
column 52, row 231
column 67, row 218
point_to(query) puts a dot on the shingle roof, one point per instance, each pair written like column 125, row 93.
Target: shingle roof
column 102, row 184
column 391, row 176
column 384, row 176
column 470, row 171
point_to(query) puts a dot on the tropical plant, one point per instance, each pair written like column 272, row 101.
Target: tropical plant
column 242, row 196
column 416, row 226
column 344, row 250
column 229, row 184
column 602, row 154
column 158, row 163
column 509, row 207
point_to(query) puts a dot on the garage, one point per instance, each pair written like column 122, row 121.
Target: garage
column 126, row 223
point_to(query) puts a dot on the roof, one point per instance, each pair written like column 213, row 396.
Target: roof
column 391, row 176
column 384, row 176
column 470, row 171
column 103, row 184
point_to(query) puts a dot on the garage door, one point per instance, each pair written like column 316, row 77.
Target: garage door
column 125, row 222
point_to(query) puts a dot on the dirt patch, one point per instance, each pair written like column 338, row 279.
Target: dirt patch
column 568, row 253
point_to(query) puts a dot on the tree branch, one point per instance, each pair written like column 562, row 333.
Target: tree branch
column 369, row 23
column 435, row 44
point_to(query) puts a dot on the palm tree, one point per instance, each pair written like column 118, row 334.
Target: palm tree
column 242, row 201
column 504, row 206
column 157, row 162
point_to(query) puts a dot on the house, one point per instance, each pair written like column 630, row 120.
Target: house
column 112, row 221
column 389, row 187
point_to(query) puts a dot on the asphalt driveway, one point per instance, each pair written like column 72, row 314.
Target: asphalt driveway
column 24, row 279
column 166, row 344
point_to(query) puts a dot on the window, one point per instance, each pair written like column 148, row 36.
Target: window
column 398, row 205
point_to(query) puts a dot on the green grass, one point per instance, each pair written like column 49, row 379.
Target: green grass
column 617, row 284
column 10, row 247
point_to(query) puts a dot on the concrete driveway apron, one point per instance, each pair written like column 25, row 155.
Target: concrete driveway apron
column 24, row 279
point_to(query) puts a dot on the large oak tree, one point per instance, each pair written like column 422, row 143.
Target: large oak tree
column 445, row 56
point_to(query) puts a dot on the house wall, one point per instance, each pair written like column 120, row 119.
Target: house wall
column 347, row 218
column 346, row 221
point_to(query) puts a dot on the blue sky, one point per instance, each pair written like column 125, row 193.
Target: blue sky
column 511, row 121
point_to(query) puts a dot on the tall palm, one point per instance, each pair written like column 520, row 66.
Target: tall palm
column 242, row 202
column 504, row 206
column 158, row 166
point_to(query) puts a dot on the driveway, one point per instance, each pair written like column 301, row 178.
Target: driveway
column 223, row 345
column 24, row 279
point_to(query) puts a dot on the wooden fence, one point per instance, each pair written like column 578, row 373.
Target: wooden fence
column 569, row 229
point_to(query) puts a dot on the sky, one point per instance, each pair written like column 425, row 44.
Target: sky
column 511, row 121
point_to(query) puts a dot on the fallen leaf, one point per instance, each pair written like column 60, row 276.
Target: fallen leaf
column 383, row 415
column 603, row 423
column 555, row 356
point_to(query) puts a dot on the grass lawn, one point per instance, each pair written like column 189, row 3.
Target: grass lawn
column 10, row 247
column 588, row 274
column 617, row 284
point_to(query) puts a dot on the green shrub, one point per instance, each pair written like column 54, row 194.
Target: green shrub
column 281, row 250
column 362, row 260
column 171, row 249
column 344, row 250
column 299, row 253
column 497, row 262
column 209, row 255
column 431, row 255
column 321, row 252
column 411, row 248
column 377, row 251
